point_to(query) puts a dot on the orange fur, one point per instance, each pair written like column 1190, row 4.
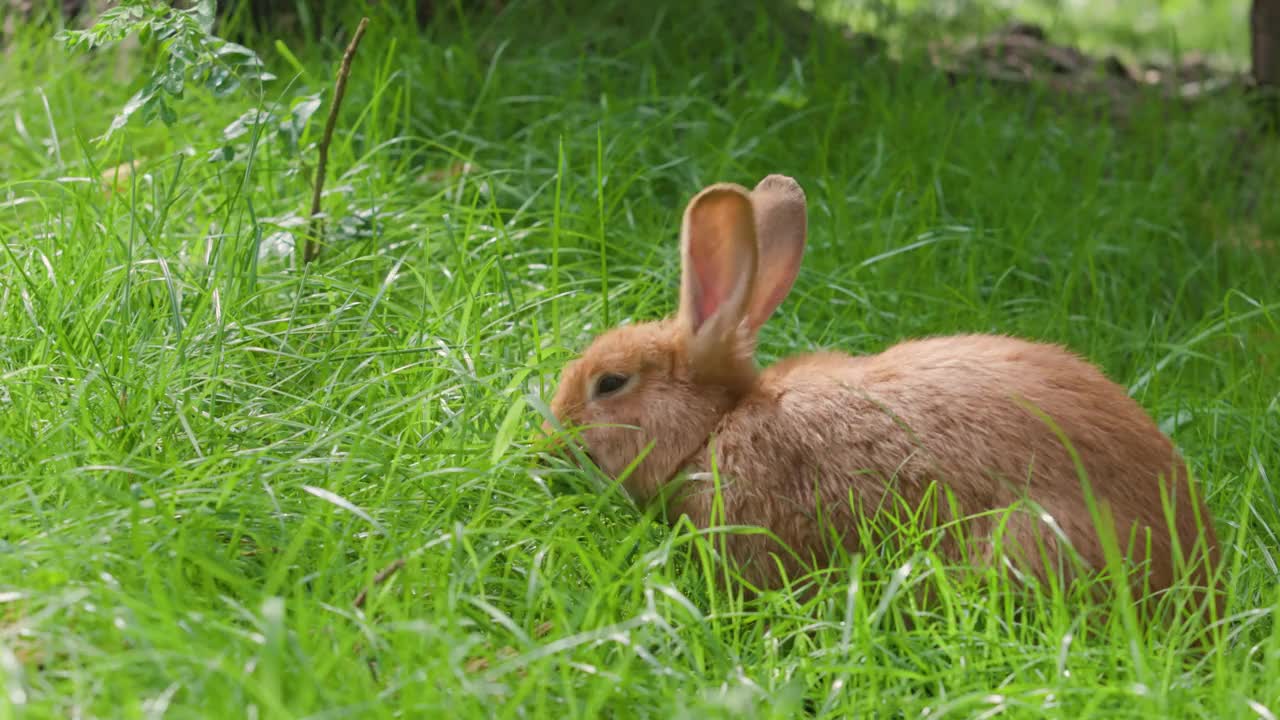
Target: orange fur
column 835, row 435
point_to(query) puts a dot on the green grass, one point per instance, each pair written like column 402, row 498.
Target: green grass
column 1159, row 30
column 206, row 453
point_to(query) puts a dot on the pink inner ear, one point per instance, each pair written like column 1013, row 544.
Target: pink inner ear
column 707, row 293
column 719, row 255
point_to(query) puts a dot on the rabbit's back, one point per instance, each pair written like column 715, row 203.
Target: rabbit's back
column 984, row 416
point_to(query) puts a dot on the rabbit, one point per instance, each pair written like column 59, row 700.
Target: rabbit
column 829, row 435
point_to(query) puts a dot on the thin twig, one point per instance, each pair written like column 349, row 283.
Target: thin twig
column 383, row 575
column 316, row 226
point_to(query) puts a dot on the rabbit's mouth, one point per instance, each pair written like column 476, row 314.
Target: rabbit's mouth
column 556, row 445
column 577, row 454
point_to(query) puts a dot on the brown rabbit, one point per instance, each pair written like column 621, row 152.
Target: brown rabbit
column 833, row 435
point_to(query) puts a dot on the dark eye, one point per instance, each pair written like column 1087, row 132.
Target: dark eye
column 610, row 383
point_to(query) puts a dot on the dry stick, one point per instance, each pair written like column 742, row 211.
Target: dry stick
column 378, row 579
column 316, row 226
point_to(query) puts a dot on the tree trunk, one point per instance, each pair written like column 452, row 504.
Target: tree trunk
column 1264, row 29
column 1264, row 26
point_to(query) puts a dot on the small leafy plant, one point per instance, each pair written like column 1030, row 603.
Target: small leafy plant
column 271, row 124
column 187, row 52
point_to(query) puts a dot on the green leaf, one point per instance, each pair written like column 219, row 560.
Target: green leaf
column 162, row 26
column 226, row 153
column 70, row 38
column 204, row 13
column 246, row 122
column 295, row 123
column 222, row 82
column 303, row 109
column 167, row 115
column 172, row 81
column 185, row 52
column 139, row 99
column 259, row 75
column 152, row 109
column 228, row 49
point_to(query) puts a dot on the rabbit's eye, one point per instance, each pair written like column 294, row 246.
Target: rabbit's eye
column 610, row 383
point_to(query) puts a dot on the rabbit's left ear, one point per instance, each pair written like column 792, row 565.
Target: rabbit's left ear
column 718, row 257
column 781, row 230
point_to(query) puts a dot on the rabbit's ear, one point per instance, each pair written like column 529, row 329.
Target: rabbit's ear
column 781, row 229
column 718, row 255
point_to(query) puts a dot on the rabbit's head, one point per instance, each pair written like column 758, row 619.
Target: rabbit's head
column 658, row 389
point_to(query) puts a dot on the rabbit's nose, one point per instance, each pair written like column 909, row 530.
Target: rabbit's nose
column 548, row 440
column 549, row 437
column 553, row 444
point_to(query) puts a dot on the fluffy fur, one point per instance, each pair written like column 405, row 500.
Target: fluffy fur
column 834, row 437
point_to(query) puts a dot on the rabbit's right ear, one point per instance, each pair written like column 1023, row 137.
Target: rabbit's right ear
column 718, row 256
column 781, row 230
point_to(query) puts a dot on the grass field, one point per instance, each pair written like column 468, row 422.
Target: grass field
column 207, row 454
